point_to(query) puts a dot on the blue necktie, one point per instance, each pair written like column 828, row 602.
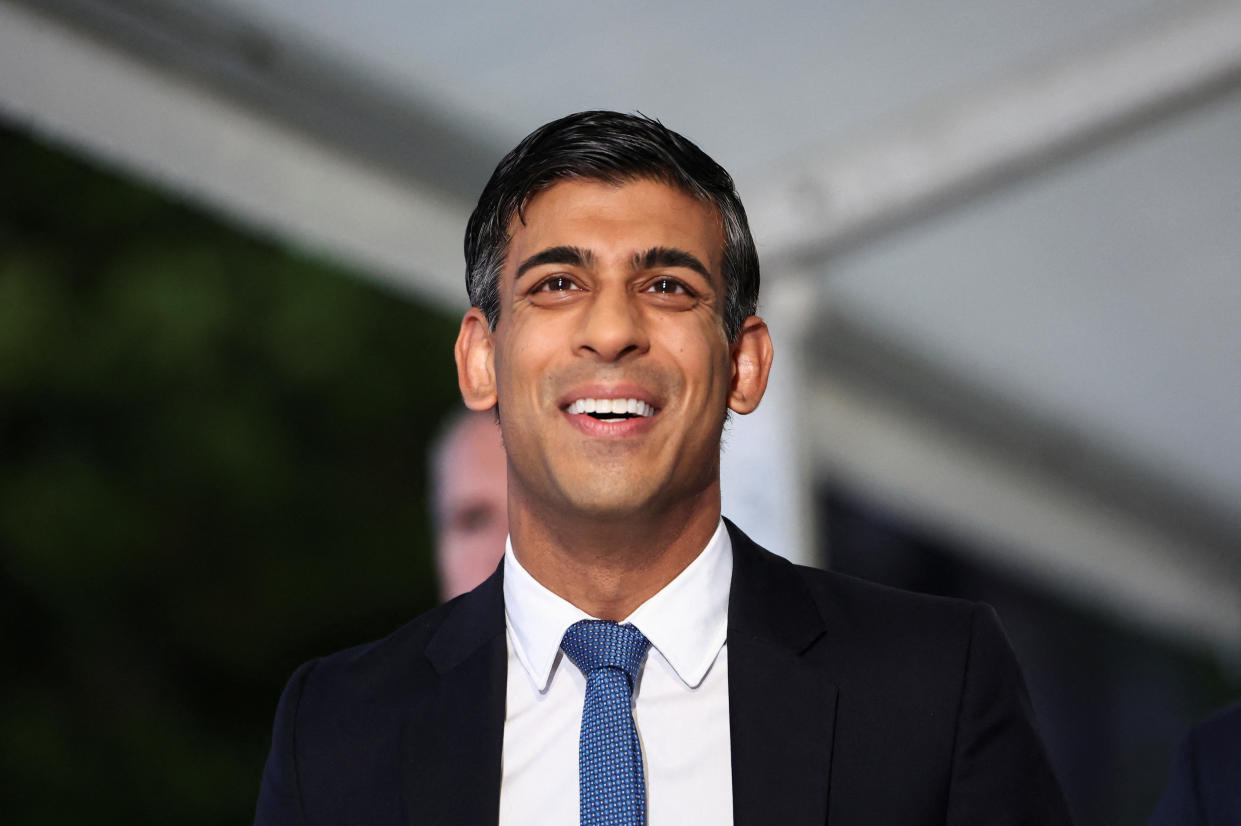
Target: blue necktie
column 609, row 758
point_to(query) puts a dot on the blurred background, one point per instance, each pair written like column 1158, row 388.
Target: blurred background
column 1000, row 248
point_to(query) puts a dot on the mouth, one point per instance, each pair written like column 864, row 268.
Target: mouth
column 611, row 410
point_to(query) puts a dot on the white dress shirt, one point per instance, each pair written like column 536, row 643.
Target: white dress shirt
column 680, row 699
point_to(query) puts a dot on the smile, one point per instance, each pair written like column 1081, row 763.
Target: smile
column 611, row 409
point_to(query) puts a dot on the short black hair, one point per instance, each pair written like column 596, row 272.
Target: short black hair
column 613, row 148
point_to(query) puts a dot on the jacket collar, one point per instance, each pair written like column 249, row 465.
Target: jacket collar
column 452, row 742
column 781, row 701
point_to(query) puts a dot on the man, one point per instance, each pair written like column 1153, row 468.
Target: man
column 469, row 502
column 636, row 659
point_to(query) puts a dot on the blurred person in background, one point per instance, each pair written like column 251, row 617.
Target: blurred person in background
column 469, row 501
column 1204, row 788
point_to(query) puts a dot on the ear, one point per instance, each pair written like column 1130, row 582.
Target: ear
column 476, row 366
column 751, row 357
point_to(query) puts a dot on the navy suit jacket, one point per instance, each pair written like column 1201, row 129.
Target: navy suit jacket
column 850, row 704
column 1205, row 786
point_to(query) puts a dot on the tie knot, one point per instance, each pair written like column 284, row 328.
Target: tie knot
column 595, row 644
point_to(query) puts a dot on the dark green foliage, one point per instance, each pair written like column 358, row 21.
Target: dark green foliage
column 211, row 469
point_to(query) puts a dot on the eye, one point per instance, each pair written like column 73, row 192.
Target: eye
column 665, row 285
column 556, row 284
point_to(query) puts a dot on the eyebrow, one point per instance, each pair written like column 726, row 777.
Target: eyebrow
column 570, row 256
column 657, row 257
column 651, row 259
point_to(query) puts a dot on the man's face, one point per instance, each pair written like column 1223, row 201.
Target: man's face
column 471, row 505
column 611, row 299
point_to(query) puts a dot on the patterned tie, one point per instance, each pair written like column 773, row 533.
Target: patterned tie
column 609, row 758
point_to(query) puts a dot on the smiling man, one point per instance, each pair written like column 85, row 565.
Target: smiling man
column 635, row 658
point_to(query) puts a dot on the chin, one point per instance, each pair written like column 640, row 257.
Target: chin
column 610, row 504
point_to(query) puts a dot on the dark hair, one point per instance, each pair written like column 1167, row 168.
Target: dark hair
column 613, row 148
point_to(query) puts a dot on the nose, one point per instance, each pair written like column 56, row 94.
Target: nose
column 612, row 326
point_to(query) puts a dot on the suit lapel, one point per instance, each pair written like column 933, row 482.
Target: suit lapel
column 782, row 704
column 452, row 744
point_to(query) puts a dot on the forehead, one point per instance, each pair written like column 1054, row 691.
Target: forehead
column 622, row 218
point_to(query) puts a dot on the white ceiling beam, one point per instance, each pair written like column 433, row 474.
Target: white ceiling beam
column 996, row 134
column 1033, row 523
column 258, row 168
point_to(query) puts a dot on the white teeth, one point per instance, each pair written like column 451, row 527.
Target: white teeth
column 633, row 407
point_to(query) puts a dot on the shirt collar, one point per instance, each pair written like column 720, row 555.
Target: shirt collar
column 686, row 621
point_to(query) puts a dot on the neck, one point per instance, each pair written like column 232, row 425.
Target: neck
column 608, row 565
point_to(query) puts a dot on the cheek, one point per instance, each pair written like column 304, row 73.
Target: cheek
column 521, row 362
column 703, row 360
